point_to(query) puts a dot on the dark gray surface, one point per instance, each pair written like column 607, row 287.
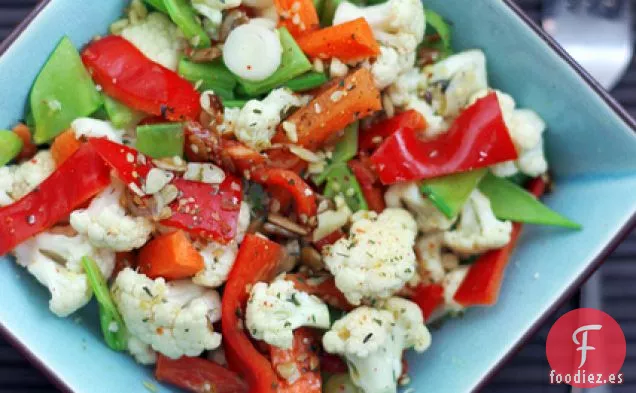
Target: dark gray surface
column 526, row 373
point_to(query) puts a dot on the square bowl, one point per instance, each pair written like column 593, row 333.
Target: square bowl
column 591, row 145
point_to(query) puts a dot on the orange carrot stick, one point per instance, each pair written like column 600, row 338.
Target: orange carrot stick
column 64, row 146
column 350, row 41
column 298, row 16
column 352, row 98
column 170, row 256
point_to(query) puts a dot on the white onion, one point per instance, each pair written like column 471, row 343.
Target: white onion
column 252, row 52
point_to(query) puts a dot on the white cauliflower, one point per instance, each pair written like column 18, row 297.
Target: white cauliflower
column 158, row 38
column 17, row 181
column 212, row 10
column 219, row 258
column 174, row 318
column 526, row 130
column 93, row 128
column 429, row 218
column 332, row 220
column 478, row 229
column 431, row 258
column 372, row 341
column 55, row 261
column 451, row 284
column 107, row 225
column 377, row 258
column 275, row 310
column 255, row 124
column 458, row 77
column 389, row 65
column 142, row 352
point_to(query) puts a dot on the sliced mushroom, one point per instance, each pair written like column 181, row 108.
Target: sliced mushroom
column 311, row 258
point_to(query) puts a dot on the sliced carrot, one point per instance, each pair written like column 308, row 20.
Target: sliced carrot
column 64, row 146
column 325, row 290
column 350, row 41
column 170, row 256
column 298, row 16
column 353, row 98
column 28, row 147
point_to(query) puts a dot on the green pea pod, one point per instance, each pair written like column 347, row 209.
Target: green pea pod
column 293, row 63
column 183, row 15
column 161, row 140
column 307, row 81
column 234, row 103
column 450, row 193
column 119, row 114
column 511, row 202
column 437, row 26
column 10, row 146
column 113, row 327
column 62, row 92
column 340, row 180
column 346, row 149
column 214, row 73
column 158, row 5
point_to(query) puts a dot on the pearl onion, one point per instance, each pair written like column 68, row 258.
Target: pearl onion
column 252, row 51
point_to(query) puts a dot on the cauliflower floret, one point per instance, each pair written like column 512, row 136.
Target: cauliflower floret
column 372, row 341
column 142, row 352
column 219, row 258
column 389, row 65
column 526, row 130
column 459, row 77
column 429, row 218
column 19, row 180
column 255, row 124
column 377, row 258
column 451, row 284
column 275, row 310
column 174, row 318
column 332, row 220
column 54, row 260
column 431, row 258
column 158, row 38
column 478, row 230
column 398, row 18
column 93, row 128
column 106, row 224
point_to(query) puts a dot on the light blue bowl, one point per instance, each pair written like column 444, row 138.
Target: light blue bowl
column 592, row 150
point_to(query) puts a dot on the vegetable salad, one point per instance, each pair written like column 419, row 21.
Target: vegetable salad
column 271, row 195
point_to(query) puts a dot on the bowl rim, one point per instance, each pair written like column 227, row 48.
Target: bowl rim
column 596, row 262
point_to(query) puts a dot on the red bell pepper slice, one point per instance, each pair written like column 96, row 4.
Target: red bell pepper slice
column 198, row 375
column 477, row 138
column 207, row 210
column 428, row 297
column 303, row 355
column 373, row 137
column 325, row 290
column 131, row 166
column 127, row 75
column 256, row 261
column 332, row 364
column 368, row 180
column 290, row 181
column 77, row 180
column 329, row 239
column 484, row 278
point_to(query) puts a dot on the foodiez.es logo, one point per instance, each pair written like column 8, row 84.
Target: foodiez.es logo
column 586, row 348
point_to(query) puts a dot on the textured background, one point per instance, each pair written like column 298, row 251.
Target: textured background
column 526, row 373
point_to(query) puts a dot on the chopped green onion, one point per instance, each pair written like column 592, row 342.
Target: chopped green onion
column 293, row 63
column 450, row 193
column 307, row 81
column 10, row 146
column 161, row 140
column 511, row 202
column 113, row 327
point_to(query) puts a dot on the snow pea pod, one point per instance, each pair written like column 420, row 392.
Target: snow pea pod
column 10, row 146
column 158, row 5
column 344, row 151
column 511, row 202
column 307, row 81
column 113, row 327
column 340, row 180
column 450, row 193
column 62, row 92
column 183, row 15
column 119, row 114
column 161, row 140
